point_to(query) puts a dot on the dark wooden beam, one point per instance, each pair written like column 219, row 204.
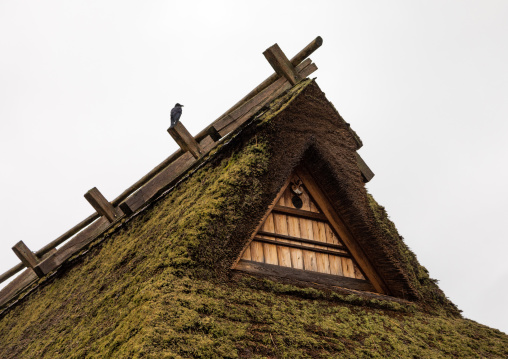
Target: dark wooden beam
column 281, row 64
column 101, row 204
column 299, row 213
column 303, row 275
column 28, row 258
column 367, row 173
column 303, row 240
column 185, row 139
column 74, row 245
column 302, row 247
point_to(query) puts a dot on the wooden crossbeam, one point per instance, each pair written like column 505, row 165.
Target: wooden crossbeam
column 101, row 204
column 281, row 64
column 270, row 270
column 185, row 139
column 27, row 257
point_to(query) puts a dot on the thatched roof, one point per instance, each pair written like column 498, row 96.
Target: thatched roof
column 160, row 283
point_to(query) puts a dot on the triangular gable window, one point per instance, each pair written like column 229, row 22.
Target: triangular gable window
column 297, row 240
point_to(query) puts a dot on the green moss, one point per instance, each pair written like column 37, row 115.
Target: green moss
column 429, row 292
column 282, row 102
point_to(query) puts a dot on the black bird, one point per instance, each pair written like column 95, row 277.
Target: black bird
column 176, row 112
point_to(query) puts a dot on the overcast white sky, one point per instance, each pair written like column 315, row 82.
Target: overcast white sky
column 86, row 88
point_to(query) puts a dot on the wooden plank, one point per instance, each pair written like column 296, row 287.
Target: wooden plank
column 345, row 235
column 299, row 213
column 283, row 253
column 313, row 207
column 185, row 139
column 101, row 204
column 27, row 257
column 246, row 254
column 367, row 173
column 256, row 251
column 301, row 240
column 74, row 245
column 335, row 265
column 270, row 250
column 358, row 273
column 300, row 247
column 348, row 267
column 303, row 275
column 281, row 64
column 331, row 239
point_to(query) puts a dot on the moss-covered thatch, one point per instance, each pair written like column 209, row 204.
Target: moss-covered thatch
column 160, row 285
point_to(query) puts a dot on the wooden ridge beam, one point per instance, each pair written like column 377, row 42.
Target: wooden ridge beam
column 185, row 139
column 270, row 270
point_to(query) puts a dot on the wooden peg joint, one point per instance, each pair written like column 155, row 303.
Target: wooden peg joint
column 27, row 257
column 281, row 64
column 185, row 139
column 101, row 204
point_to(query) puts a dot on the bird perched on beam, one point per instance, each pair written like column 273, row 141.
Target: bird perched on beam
column 176, row 112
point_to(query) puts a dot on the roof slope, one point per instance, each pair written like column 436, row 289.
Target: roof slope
column 160, row 285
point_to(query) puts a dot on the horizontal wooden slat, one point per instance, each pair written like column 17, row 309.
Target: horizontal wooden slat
column 302, row 247
column 304, row 240
column 299, row 213
column 303, row 275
